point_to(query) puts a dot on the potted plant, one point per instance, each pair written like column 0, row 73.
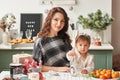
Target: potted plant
column 8, row 19
column 96, row 21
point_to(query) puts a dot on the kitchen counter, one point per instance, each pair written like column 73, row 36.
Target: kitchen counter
column 29, row 46
column 103, row 47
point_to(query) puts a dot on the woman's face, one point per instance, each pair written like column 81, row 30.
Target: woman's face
column 57, row 22
column 82, row 46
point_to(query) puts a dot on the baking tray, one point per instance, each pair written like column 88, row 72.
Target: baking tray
column 22, row 45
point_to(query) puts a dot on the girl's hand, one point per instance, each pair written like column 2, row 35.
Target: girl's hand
column 71, row 53
column 84, row 71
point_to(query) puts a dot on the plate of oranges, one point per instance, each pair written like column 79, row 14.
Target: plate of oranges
column 105, row 74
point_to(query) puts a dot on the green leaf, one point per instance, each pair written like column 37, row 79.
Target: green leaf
column 95, row 20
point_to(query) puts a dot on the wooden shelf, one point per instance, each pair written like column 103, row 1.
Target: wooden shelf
column 58, row 2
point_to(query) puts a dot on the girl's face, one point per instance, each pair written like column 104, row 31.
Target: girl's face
column 57, row 22
column 82, row 46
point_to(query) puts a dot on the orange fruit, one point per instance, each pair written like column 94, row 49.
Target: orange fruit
column 93, row 72
column 98, row 75
column 97, row 71
column 102, row 77
column 108, row 76
column 102, row 72
column 109, row 72
column 115, row 75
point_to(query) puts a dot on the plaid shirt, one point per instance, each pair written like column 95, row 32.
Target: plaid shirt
column 52, row 51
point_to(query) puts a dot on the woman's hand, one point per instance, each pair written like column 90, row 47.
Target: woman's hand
column 58, row 69
column 62, row 69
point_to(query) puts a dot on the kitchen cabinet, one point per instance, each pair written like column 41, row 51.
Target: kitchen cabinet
column 102, row 59
column 6, row 56
column 102, row 56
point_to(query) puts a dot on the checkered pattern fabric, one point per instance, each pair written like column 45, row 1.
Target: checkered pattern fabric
column 52, row 51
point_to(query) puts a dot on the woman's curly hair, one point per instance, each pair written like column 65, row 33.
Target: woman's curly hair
column 45, row 30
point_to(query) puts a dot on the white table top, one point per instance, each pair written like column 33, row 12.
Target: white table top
column 51, row 76
column 57, row 76
column 63, row 76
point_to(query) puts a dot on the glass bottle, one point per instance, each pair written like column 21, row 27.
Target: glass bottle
column 72, row 67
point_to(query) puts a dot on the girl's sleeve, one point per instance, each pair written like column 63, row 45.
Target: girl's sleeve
column 90, row 66
column 68, row 57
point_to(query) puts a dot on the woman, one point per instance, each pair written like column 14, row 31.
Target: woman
column 53, row 42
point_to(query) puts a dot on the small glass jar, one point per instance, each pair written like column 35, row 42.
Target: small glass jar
column 97, row 41
column 16, row 68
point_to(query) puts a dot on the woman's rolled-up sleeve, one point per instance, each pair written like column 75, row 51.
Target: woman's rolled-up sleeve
column 37, row 52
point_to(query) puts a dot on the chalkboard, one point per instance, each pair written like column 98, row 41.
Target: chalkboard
column 31, row 21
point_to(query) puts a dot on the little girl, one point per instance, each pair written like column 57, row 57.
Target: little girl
column 83, row 62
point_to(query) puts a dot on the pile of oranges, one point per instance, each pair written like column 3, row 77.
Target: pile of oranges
column 105, row 74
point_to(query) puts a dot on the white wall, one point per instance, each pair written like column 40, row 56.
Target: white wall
column 83, row 7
